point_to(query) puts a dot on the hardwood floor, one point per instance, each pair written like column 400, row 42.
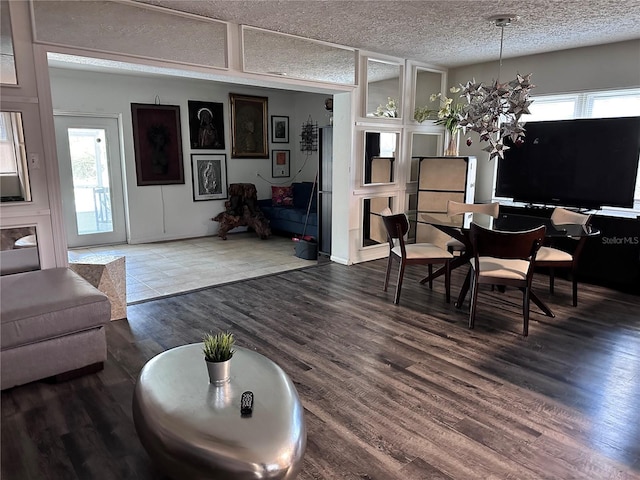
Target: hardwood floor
column 390, row 392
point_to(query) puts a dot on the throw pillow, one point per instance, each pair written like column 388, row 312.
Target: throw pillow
column 282, row 196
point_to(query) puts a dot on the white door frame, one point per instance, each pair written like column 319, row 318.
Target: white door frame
column 113, row 126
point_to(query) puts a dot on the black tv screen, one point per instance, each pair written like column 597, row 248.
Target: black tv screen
column 586, row 163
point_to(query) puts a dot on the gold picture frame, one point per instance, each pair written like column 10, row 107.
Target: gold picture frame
column 249, row 126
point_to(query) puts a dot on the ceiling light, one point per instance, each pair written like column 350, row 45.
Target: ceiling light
column 504, row 20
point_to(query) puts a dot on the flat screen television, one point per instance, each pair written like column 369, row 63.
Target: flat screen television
column 585, row 163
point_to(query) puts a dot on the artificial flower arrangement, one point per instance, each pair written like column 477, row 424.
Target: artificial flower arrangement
column 389, row 110
column 447, row 115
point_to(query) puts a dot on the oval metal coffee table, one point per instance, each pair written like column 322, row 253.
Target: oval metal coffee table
column 194, row 430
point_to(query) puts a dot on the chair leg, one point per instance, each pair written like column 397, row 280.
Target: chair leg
column 399, row 284
column 447, row 281
column 386, row 278
column 525, row 312
column 552, row 276
column 430, row 267
column 474, row 301
column 574, row 280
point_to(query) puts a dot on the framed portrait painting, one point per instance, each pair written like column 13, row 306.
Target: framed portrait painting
column 157, row 143
column 248, row 126
column 280, row 163
column 279, row 129
column 209, row 175
column 206, row 125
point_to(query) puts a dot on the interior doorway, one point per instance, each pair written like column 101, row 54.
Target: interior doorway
column 91, row 183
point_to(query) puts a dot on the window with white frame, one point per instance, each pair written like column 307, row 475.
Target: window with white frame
column 612, row 103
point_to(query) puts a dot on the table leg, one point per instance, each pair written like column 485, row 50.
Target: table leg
column 543, row 306
column 463, row 291
column 455, row 263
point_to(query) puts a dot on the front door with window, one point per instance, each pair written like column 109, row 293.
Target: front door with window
column 91, row 180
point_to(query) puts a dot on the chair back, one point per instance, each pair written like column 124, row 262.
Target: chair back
column 562, row 216
column 516, row 245
column 397, row 226
column 456, row 208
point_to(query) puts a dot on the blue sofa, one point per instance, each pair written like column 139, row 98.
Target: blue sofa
column 291, row 219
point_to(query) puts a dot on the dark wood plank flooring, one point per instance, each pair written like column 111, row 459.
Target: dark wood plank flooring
column 390, row 392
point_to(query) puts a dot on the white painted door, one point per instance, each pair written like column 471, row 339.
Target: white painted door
column 91, row 180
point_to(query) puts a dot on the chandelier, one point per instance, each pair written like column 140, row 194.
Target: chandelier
column 494, row 111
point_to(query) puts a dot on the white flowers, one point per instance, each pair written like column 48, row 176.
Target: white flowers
column 448, row 114
column 389, row 110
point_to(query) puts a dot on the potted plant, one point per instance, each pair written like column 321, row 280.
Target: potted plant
column 218, row 350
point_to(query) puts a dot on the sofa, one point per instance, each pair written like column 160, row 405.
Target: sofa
column 52, row 325
column 287, row 209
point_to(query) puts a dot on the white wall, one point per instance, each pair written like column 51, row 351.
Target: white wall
column 602, row 67
column 168, row 212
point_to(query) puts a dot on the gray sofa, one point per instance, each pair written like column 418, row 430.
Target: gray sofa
column 52, row 324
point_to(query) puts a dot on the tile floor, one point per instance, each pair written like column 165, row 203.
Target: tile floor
column 155, row 270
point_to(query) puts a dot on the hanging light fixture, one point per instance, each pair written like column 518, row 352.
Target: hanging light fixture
column 494, row 111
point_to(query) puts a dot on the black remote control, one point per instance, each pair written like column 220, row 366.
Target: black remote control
column 246, row 404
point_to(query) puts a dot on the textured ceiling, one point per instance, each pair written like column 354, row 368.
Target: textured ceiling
column 446, row 33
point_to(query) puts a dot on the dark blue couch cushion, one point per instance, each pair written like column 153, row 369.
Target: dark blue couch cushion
column 292, row 218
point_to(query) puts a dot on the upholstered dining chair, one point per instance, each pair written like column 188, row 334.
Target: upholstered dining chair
column 457, row 208
column 397, row 227
column 552, row 257
column 503, row 258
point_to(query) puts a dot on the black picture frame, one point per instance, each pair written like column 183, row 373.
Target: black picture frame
column 280, row 163
column 206, row 125
column 157, row 144
column 209, row 176
column 249, row 127
column 279, row 129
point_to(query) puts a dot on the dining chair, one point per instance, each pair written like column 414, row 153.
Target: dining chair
column 503, row 258
column 429, row 254
column 457, row 208
column 552, row 257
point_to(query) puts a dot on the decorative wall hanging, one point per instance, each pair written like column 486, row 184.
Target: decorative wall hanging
column 157, row 143
column 248, row 126
column 309, row 136
column 279, row 129
column 209, row 175
column 280, row 163
column 206, row 125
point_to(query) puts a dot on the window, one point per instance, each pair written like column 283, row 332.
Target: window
column 614, row 103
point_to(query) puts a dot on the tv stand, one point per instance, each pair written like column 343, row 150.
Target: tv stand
column 612, row 259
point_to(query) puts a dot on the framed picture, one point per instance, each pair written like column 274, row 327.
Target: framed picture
column 157, row 143
column 279, row 129
column 206, row 125
column 280, row 164
column 248, row 126
column 209, row 174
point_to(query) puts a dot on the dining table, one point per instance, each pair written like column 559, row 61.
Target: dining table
column 457, row 226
